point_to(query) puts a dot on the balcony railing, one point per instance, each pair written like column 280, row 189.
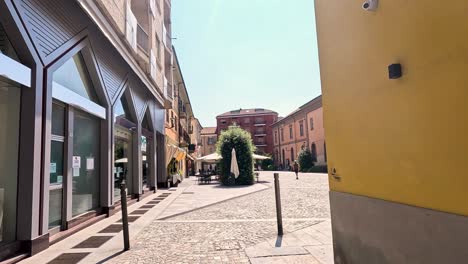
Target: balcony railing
column 142, row 39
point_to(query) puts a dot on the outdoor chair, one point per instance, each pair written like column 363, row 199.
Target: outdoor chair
column 206, row 179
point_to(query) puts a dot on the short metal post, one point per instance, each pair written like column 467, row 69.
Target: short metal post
column 279, row 216
column 123, row 201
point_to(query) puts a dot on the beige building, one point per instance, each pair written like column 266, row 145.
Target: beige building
column 195, row 149
column 209, row 137
column 179, row 128
column 301, row 129
column 146, row 27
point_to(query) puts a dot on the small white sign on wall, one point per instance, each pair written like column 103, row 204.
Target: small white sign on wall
column 76, row 164
column 59, row 179
column 76, row 172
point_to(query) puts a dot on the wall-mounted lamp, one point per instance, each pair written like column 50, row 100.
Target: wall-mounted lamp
column 370, row 5
column 394, row 71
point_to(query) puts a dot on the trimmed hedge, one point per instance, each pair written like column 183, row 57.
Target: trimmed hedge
column 306, row 161
column 241, row 140
column 265, row 164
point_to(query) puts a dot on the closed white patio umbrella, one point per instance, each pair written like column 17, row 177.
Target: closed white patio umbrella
column 234, row 165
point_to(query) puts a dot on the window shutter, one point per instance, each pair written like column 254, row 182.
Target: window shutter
column 131, row 27
column 153, row 68
column 153, row 7
column 165, row 87
column 164, row 35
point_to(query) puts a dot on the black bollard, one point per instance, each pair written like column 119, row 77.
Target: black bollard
column 123, row 201
column 279, row 217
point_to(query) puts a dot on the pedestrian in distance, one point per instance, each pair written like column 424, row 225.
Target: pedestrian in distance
column 296, row 169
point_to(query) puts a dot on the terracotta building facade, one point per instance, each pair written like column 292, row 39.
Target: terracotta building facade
column 256, row 121
column 299, row 130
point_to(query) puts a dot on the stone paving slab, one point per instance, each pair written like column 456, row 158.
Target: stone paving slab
column 115, row 244
column 209, row 224
column 324, row 253
column 304, row 198
column 313, row 241
column 298, row 259
column 256, row 252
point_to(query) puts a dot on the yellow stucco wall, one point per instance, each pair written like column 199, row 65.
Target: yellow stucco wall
column 402, row 140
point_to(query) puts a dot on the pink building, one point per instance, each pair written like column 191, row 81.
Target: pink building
column 301, row 129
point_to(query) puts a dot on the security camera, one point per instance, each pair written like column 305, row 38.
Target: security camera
column 370, row 5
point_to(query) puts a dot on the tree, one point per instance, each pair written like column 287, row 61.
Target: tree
column 241, row 141
column 267, row 164
column 306, row 160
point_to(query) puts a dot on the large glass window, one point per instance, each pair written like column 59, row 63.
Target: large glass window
column 85, row 163
column 56, row 165
column 10, row 95
column 146, row 141
column 123, row 128
column 9, row 130
column 6, row 47
column 74, row 76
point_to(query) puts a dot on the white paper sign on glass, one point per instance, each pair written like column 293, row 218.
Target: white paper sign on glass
column 76, row 172
column 90, row 164
column 53, row 167
column 76, row 164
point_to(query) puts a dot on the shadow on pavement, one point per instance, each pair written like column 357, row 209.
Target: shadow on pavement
column 111, row 257
column 279, row 241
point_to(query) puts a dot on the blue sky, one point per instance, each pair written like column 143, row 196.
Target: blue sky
column 246, row 54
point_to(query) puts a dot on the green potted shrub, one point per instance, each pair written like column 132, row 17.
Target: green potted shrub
column 241, row 140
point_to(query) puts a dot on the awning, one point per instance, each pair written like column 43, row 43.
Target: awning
column 213, row 157
column 260, row 157
column 174, row 152
column 181, row 155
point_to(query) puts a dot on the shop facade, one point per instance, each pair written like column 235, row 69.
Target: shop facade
column 77, row 120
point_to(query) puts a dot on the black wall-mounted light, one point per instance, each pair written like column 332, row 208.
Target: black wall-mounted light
column 394, row 71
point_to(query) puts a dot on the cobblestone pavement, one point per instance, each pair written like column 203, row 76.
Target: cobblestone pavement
column 303, row 198
column 220, row 233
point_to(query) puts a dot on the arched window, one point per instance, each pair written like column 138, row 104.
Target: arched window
column 124, row 126
column 74, row 95
column 146, row 147
column 283, row 158
column 314, row 152
column 292, row 155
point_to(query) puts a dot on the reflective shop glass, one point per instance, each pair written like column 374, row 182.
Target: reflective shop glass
column 85, row 163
